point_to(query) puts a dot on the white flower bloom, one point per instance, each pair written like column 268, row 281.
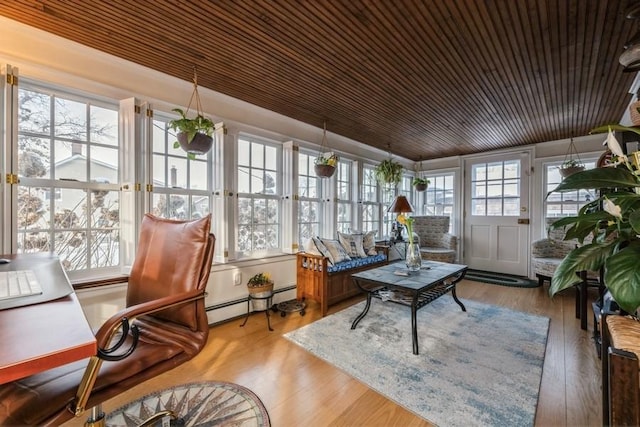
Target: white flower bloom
column 612, row 208
column 614, row 146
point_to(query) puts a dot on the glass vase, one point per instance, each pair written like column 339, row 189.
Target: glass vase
column 413, row 259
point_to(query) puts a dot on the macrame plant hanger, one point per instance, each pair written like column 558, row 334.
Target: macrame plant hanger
column 325, row 164
column 195, row 95
column 571, row 164
column 195, row 141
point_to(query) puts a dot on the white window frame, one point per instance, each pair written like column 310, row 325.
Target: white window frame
column 305, row 161
column 567, row 202
column 270, row 199
column 58, row 184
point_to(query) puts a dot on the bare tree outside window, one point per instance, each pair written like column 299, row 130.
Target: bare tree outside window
column 258, row 198
column 68, row 198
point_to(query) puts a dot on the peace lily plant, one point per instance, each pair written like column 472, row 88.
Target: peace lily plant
column 612, row 221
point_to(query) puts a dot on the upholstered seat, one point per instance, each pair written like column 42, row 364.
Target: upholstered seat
column 436, row 243
column 548, row 253
column 165, row 308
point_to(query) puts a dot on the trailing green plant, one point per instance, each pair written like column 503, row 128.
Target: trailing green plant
column 607, row 228
column 190, row 127
column 388, row 172
column 419, row 181
column 571, row 163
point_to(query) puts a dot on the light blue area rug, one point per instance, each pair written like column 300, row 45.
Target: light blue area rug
column 479, row 368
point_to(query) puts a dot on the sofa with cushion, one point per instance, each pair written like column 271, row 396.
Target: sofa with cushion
column 324, row 268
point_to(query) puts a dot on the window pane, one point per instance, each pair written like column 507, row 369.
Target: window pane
column 478, row 207
column 33, row 157
column 198, row 175
column 70, row 119
column 104, row 126
column 104, row 164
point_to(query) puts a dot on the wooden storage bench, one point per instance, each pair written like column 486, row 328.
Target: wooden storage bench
column 620, row 370
column 316, row 281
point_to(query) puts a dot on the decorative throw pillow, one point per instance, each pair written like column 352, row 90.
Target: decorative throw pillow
column 311, row 247
column 336, row 250
column 324, row 251
column 369, row 243
column 352, row 244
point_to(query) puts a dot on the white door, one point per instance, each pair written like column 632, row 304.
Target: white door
column 496, row 211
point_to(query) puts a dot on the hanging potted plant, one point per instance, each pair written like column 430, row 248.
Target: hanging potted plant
column 325, row 164
column 260, row 288
column 571, row 164
column 421, row 184
column 388, row 172
column 195, row 136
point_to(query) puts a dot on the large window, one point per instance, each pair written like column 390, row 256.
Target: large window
column 439, row 197
column 309, row 199
column 566, row 203
column 369, row 204
column 68, row 191
column 181, row 186
column 258, row 226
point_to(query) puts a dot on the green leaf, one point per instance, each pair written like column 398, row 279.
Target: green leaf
column 634, row 221
column 587, row 257
column 622, row 277
column 599, row 178
column 605, row 128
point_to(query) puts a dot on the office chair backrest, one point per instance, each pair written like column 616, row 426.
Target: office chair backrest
column 168, row 262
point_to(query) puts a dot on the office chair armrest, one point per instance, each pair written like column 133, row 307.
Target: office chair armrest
column 107, row 331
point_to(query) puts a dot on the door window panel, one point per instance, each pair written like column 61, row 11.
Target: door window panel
column 495, row 189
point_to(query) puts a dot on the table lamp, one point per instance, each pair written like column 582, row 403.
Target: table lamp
column 400, row 205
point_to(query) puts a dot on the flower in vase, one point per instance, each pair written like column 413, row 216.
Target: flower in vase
column 407, row 221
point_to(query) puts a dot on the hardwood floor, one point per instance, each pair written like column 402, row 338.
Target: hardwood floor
column 299, row 389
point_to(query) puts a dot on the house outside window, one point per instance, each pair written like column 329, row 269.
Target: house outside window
column 68, row 147
column 258, row 227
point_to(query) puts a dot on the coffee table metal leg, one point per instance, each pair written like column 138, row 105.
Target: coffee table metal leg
column 455, row 298
column 414, row 324
column 364, row 312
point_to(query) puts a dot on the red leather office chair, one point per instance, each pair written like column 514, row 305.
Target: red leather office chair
column 163, row 326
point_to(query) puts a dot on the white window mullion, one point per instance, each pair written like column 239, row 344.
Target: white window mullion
column 128, row 129
column 224, row 196
column 9, row 160
column 289, row 218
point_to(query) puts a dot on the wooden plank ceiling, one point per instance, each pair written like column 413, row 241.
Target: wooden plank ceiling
column 422, row 79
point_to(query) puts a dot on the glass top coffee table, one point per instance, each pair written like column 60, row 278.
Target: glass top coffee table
column 395, row 283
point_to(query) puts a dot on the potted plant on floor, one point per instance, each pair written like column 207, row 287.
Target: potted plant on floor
column 613, row 223
column 421, row 184
column 260, row 288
